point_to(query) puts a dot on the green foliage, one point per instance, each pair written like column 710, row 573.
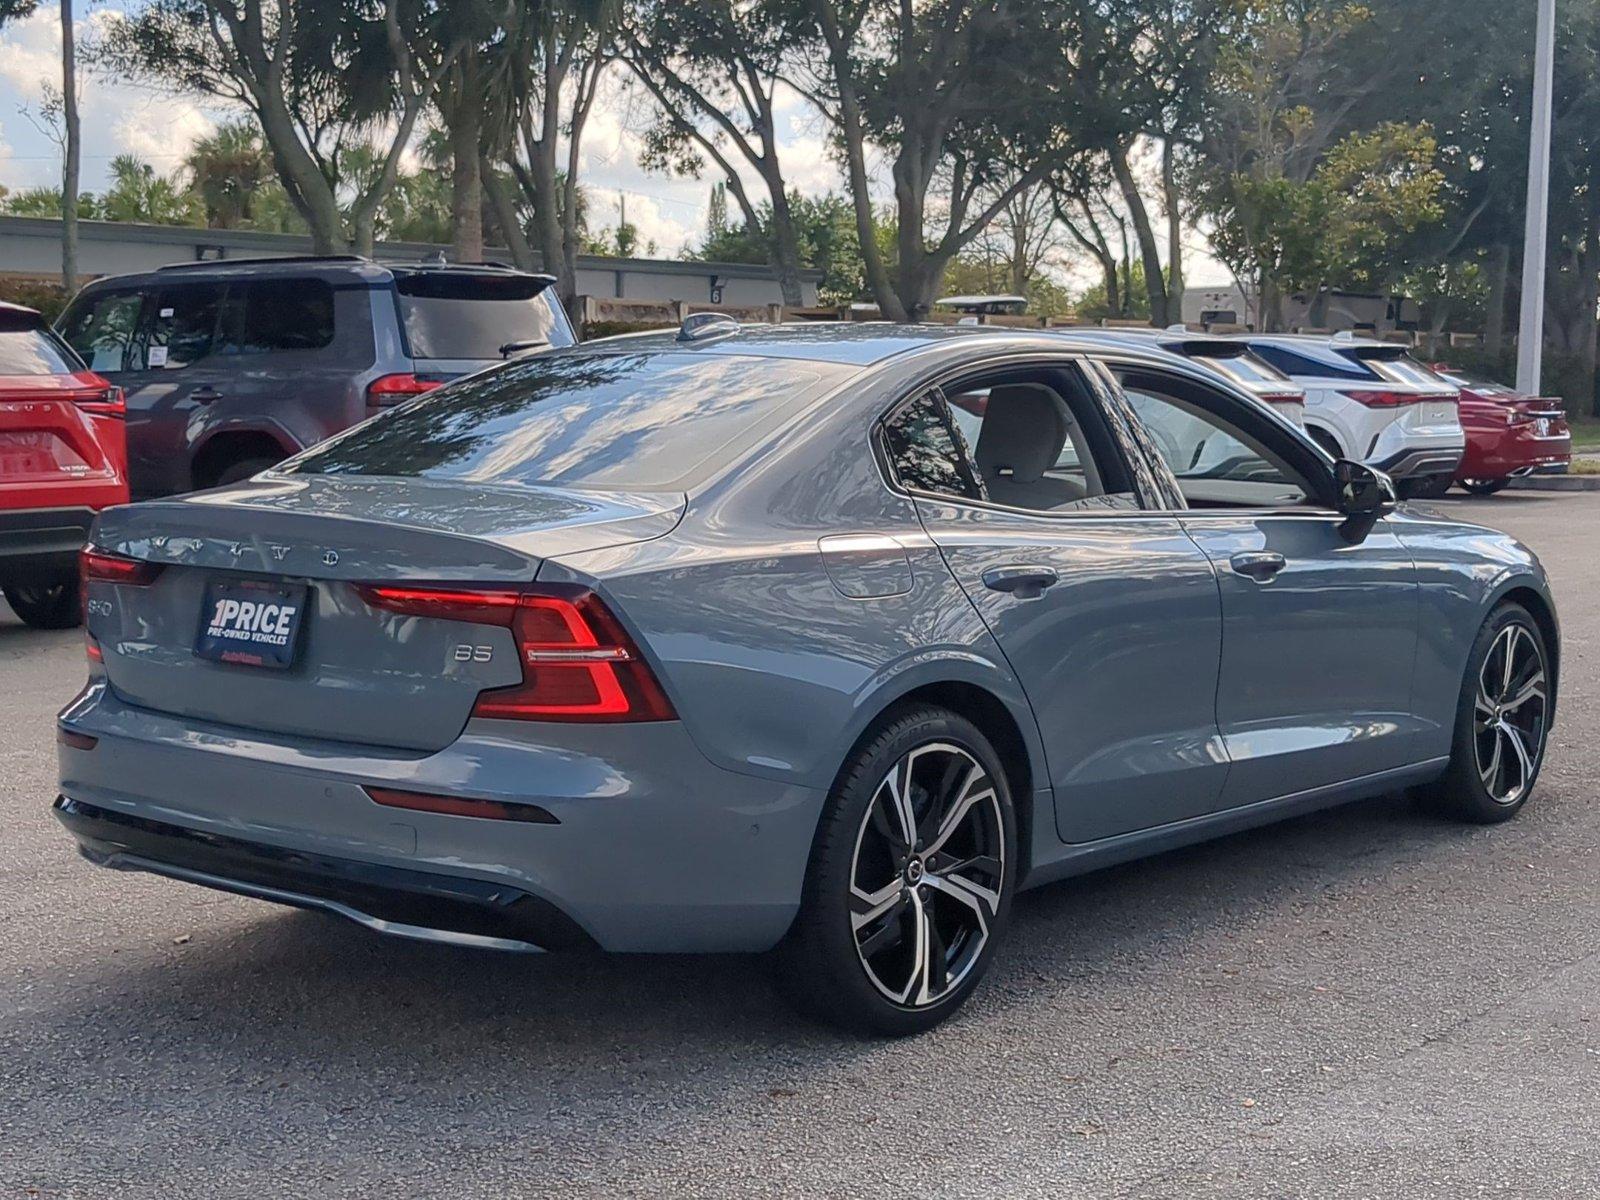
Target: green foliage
column 825, row 229
column 1091, row 305
column 48, row 298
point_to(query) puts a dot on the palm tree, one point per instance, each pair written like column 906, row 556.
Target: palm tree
column 228, row 169
column 137, row 193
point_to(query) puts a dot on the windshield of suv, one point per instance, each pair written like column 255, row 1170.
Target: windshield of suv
column 456, row 315
column 639, row 422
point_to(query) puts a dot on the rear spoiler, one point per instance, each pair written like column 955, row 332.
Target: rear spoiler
column 1208, row 348
column 1375, row 353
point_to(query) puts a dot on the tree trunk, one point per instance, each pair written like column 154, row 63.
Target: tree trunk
column 69, row 172
column 466, row 176
column 1169, row 186
column 505, row 214
column 1149, row 252
column 1494, row 320
column 785, row 245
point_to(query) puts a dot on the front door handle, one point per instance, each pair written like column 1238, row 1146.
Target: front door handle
column 1025, row 583
column 205, row 394
column 1260, row 565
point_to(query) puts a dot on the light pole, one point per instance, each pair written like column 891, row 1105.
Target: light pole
column 1530, row 331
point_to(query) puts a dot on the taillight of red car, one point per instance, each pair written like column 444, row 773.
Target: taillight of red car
column 98, row 396
column 388, row 390
column 578, row 663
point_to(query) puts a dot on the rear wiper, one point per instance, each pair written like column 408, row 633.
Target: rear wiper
column 510, row 348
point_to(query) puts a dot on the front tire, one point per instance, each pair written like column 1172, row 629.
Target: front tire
column 46, row 605
column 1502, row 722
column 910, row 881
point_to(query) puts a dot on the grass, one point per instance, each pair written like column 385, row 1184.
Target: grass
column 1586, row 466
column 1585, row 432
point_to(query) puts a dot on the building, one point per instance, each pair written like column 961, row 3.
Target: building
column 1368, row 312
column 30, row 247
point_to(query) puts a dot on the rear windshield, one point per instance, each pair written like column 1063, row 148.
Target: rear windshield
column 634, row 422
column 1408, row 371
column 475, row 316
column 1245, row 368
column 33, row 352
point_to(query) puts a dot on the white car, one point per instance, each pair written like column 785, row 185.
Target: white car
column 1371, row 401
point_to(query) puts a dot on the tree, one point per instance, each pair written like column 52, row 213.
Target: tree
column 320, row 76
column 228, row 169
column 825, row 236
column 138, row 194
column 66, row 104
column 715, row 69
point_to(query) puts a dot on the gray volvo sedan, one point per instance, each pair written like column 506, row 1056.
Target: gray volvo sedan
column 817, row 638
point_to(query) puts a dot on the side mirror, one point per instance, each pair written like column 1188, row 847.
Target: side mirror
column 1363, row 491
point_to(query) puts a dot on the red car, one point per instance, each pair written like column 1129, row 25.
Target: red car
column 1508, row 433
column 63, row 457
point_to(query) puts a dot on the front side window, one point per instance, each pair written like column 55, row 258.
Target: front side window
column 924, row 451
column 103, row 329
column 267, row 316
column 184, row 326
column 643, row 421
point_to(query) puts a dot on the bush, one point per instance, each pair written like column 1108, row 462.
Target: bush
column 1561, row 374
column 48, row 298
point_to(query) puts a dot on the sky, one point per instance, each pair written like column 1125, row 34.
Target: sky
column 120, row 118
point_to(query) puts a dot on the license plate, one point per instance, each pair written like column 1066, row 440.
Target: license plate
column 254, row 624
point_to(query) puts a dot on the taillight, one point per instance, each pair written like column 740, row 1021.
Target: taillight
column 107, row 402
column 1384, row 399
column 1284, row 399
column 96, row 566
column 388, row 390
column 578, row 663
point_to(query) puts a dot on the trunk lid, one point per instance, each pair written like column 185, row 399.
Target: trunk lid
column 48, row 439
column 357, row 673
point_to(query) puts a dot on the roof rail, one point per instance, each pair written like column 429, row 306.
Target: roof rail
column 254, row 262
column 703, row 326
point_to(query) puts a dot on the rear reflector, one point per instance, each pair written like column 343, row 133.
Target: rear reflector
column 387, row 390
column 578, row 663
column 78, row 741
column 98, row 566
column 457, row 806
column 91, row 649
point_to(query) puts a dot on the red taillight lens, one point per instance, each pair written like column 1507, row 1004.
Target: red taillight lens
column 1384, row 399
column 91, row 649
column 459, row 806
column 96, row 566
column 108, row 402
column 578, row 663
column 388, row 390
column 1284, row 399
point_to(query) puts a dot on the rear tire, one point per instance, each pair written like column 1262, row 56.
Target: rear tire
column 910, row 881
column 242, row 470
column 1502, row 722
column 1484, row 487
column 46, row 605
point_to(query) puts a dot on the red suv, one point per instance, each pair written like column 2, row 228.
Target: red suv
column 63, row 457
column 1509, row 434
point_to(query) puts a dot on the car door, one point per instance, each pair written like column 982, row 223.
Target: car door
column 1319, row 617
column 1108, row 615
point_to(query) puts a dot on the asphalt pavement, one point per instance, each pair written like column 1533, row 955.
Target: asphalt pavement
column 1362, row 1003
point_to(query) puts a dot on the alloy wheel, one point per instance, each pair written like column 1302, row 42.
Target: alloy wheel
column 927, row 874
column 1509, row 712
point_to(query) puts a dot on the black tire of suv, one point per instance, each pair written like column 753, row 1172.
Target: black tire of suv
column 1460, row 793
column 243, row 469
column 46, row 605
column 818, row 963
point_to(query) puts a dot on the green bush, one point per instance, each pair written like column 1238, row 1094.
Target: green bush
column 1560, row 375
column 48, row 298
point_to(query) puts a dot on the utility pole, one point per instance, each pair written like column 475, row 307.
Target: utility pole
column 1530, row 331
column 70, row 151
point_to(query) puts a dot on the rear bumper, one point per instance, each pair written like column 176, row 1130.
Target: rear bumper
column 418, row 904
column 42, row 541
column 1422, row 460
column 1513, row 450
column 654, row 848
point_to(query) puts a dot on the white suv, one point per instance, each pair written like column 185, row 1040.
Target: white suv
column 1373, row 402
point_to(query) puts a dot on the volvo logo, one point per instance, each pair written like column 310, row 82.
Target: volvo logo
column 330, row 558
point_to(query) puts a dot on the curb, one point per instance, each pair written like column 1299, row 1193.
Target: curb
column 1556, row 483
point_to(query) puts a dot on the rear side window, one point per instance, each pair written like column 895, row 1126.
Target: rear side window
column 26, row 350
column 923, row 451
column 268, row 316
column 447, row 315
column 1408, row 370
column 1244, row 368
column 184, row 328
column 1292, row 363
column 102, row 327
column 641, row 422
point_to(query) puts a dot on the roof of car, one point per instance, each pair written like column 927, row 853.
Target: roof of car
column 1331, row 341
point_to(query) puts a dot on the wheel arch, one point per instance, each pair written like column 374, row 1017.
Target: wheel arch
column 231, row 443
column 1521, row 590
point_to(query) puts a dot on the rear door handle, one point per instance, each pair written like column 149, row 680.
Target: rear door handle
column 1025, row 583
column 205, row 394
column 1260, row 565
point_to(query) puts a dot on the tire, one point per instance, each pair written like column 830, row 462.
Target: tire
column 46, row 605
column 1425, row 487
column 237, row 471
column 1484, row 487
column 1489, row 778
column 891, row 939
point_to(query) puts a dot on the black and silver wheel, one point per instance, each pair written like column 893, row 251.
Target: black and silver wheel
column 1502, row 721
column 910, row 878
column 1485, row 487
column 46, row 605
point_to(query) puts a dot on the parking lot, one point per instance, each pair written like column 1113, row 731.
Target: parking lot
column 1366, row 1002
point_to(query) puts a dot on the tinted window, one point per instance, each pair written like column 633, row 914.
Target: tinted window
column 923, row 450
column 1408, row 370
column 1155, row 484
column 101, row 327
column 184, row 326
column 1291, row 363
column 475, row 316
column 274, row 315
column 1244, row 368
column 631, row 421
column 32, row 352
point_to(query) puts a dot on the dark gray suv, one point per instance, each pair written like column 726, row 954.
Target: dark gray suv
column 231, row 366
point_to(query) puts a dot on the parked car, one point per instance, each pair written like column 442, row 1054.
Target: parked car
column 1509, row 434
column 732, row 640
column 1230, row 358
column 231, row 366
column 61, row 461
column 1372, row 402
